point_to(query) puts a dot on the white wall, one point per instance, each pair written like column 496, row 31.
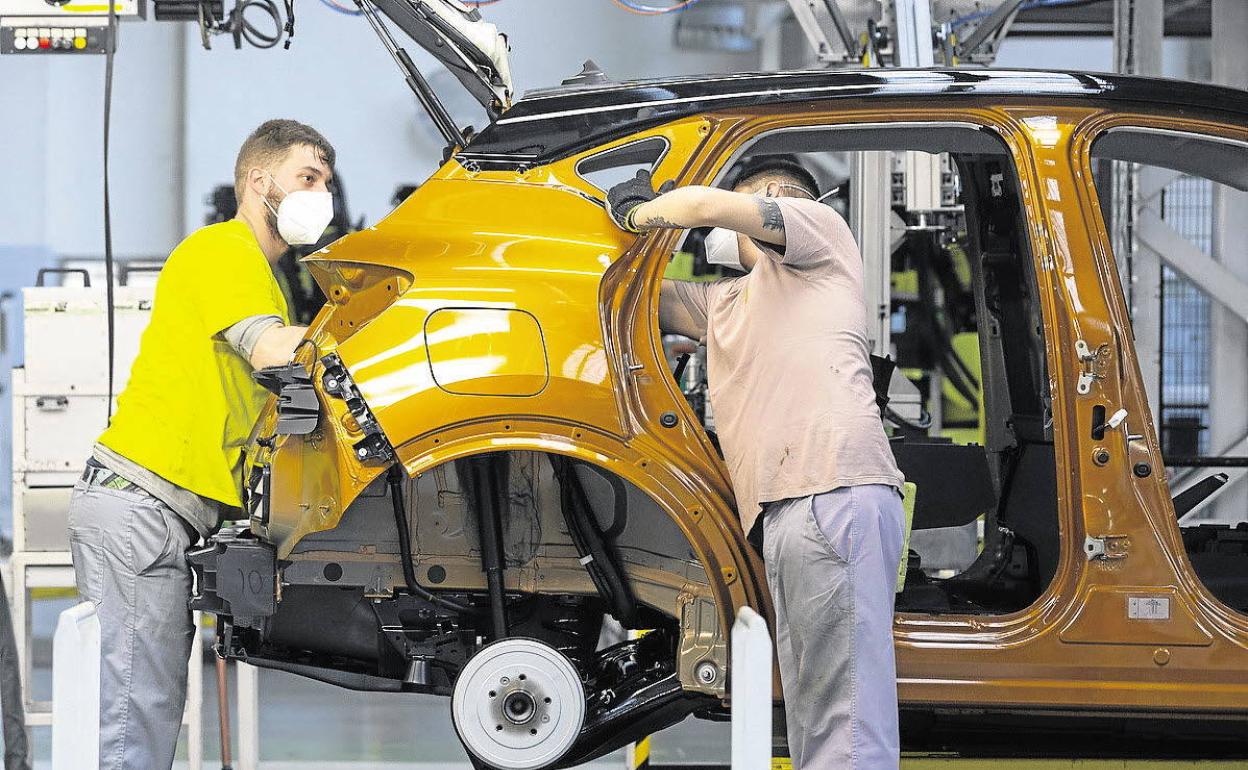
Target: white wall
column 51, row 135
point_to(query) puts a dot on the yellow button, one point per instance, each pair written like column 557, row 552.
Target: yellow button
column 80, row 43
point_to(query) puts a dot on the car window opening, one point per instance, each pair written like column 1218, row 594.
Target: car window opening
column 1180, row 176
column 966, row 332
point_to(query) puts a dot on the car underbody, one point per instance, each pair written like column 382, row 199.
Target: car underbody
column 349, row 615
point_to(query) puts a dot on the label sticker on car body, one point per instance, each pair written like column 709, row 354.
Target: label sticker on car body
column 1148, row 607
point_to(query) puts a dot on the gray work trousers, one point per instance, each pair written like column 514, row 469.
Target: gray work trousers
column 831, row 565
column 129, row 559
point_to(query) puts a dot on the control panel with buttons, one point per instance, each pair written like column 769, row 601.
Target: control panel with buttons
column 65, row 10
column 56, row 38
column 61, row 26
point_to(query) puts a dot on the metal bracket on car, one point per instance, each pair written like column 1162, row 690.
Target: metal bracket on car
column 1107, row 547
column 1087, row 360
column 337, row 382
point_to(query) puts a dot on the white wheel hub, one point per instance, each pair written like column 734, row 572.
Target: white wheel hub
column 518, row 704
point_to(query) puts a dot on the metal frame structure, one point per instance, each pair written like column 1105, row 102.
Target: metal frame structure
column 1144, row 242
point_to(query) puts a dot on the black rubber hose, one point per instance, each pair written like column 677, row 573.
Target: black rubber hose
column 487, row 479
column 590, row 544
column 395, row 479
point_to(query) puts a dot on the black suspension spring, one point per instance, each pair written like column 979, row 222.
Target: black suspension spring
column 574, row 628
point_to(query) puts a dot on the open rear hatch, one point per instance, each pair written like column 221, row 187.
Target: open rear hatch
column 458, row 37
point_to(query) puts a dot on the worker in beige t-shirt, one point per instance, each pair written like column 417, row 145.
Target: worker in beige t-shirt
column 791, row 387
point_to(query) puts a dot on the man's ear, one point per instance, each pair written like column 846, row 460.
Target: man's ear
column 772, row 190
column 258, row 182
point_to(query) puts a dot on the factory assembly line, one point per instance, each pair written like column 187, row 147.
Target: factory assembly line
column 481, row 450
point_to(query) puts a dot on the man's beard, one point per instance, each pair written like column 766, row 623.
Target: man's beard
column 274, row 200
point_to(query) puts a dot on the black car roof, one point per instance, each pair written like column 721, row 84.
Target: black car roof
column 548, row 124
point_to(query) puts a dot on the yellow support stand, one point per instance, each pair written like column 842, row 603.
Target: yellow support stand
column 639, row 754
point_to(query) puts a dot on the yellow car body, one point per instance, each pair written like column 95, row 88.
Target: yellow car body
column 498, row 309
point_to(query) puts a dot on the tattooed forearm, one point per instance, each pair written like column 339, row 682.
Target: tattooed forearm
column 770, row 212
column 656, row 223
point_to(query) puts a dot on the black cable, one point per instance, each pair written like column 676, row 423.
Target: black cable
column 591, row 544
column 110, row 49
column 316, row 351
column 250, row 32
column 395, row 479
column 290, row 23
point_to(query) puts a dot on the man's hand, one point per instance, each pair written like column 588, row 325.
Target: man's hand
column 624, row 198
column 276, row 346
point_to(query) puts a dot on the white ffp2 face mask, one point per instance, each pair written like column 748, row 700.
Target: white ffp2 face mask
column 303, row 215
column 722, row 248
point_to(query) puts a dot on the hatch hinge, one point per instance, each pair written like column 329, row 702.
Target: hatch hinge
column 1090, row 365
column 1106, row 547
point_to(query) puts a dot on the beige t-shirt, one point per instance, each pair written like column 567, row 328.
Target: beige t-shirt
column 787, row 361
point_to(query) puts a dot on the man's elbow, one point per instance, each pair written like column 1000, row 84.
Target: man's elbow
column 276, row 346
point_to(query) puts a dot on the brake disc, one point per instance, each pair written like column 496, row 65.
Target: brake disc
column 518, row 704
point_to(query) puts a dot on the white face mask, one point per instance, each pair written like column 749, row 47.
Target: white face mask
column 722, row 248
column 303, row 215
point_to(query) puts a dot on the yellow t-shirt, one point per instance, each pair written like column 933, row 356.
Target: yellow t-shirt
column 191, row 402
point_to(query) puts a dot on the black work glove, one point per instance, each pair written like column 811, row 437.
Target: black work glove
column 625, row 197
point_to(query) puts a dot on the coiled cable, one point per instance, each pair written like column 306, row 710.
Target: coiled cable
column 243, row 29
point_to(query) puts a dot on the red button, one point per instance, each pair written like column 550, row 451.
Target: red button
column 45, row 42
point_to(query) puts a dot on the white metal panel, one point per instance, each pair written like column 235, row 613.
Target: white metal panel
column 60, row 431
column 42, row 515
column 66, row 336
column 869, row 211
column 923, row 181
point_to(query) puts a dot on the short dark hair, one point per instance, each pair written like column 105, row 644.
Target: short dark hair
column 269, row 145
column 786, row 167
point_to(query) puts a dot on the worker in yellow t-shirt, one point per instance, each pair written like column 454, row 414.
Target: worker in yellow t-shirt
column 166, row 472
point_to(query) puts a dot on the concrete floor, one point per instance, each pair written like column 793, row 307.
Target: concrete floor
column 309, row 725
